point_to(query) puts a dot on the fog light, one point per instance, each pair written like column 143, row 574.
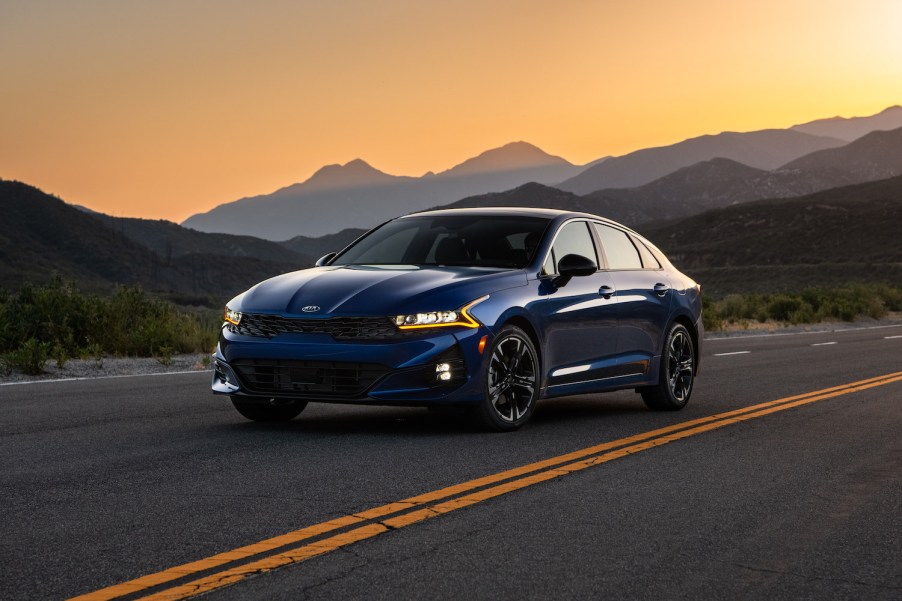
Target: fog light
column 443, row 368
column 445, row 376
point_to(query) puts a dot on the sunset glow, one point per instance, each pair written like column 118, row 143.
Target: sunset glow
column 165, row 109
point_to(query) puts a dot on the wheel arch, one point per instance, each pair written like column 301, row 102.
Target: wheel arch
column 524, row 323
column 686, row 321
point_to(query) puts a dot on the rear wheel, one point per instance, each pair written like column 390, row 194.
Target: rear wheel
column 260, row 410
column 677, row 373
column 511, row 381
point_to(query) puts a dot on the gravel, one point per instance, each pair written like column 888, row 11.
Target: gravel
column 111, row 366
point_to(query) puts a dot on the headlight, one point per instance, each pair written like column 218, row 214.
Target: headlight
column 233, row 317
column 438, row 319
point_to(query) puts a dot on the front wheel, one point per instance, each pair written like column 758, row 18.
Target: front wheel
column 260, row 411
column 677, row 374
column 511, row 381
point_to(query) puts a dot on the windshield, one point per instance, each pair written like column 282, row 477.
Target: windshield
column 466, row 240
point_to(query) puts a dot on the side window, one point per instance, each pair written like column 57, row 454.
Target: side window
column 648, row 259
column 572, row 239
column 618, row 249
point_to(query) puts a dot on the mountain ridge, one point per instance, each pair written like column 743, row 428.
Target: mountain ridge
column 762, row 149
column 321, row 204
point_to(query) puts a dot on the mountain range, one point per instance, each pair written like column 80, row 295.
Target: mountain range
column 830, row 215
column 359, row 196
column 41, row 235
column 839, row 236
column 717, row 183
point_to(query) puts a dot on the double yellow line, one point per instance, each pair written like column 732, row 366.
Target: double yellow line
column 409, row 511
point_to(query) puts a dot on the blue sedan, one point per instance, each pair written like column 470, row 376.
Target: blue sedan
column 490, row 308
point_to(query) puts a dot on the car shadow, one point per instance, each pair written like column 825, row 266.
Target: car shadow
column 375, row 421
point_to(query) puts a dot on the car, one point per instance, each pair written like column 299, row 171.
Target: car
column 492, row 309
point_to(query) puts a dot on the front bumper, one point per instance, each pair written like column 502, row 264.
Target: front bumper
column 316, row 367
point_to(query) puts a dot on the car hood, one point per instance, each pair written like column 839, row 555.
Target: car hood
column 362, row 290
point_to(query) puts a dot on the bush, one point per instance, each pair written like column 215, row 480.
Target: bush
column 812, row 305
column 31, row 357
column 66, row 323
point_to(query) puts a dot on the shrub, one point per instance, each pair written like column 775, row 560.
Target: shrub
column 128, row 322
column 807, row 306
column 164, row 355
column 60, row 355
column 31, row 357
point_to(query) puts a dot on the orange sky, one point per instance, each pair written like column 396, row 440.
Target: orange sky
column 164, row 109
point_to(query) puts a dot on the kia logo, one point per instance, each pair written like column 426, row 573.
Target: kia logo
column 310, row 309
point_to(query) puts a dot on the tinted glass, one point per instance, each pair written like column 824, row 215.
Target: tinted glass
column 572, row 239
column 618, row 249
column 467, row 240
column 648, row 260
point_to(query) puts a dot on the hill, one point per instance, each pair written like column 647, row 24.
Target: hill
column 842, row 235
column 719, row 183
column 357, row 195
column 170, row 240
column 877, row 155
column 765, row 149
column 317, row 247
column 41, row 235
column 853, row 128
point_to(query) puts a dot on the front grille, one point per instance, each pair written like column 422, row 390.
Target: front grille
column 340, row 328
column 325, row 379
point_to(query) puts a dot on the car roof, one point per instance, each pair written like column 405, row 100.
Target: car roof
column 516, row 211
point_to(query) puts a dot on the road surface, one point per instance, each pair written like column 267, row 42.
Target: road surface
column 782, row 479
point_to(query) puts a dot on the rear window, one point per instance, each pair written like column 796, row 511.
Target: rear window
column 619, row 250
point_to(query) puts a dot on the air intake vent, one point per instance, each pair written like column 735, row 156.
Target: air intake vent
column 323, row 379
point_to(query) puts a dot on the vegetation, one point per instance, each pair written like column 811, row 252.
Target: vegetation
column 808, row 306
column 58, row 321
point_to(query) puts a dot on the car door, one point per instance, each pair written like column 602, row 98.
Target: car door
column 579, row 319
column 643, row 297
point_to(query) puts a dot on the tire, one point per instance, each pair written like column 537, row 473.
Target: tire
column 677, row 375
column 260, row 411
column 510, row 381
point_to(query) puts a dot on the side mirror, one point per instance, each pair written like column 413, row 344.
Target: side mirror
column 323, row 260
column 573, row 266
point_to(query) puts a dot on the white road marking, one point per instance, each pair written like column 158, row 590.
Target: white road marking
column 891, row 337
column 733, row 353
column 159, row 373
column 743, row 337
column 824, row 343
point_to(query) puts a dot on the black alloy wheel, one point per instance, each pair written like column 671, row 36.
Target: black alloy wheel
column 511, row 381
column 677, row 374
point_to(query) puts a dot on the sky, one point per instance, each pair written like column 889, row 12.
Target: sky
column 162, row 109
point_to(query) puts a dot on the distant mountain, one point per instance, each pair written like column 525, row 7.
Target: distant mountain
column 317, row 247
column 528, row 195
column 171, row 241
column 357, row 195
column 721, row 182
column 877, row 155
column 515, row 156
column 41, row 234
column 765, row 149
column 718, row 183
column 354, row 174
column 843, row 235
column 853, row 128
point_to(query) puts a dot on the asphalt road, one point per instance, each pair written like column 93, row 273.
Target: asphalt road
column 105, row 481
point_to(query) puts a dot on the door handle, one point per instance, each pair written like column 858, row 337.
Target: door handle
column 606, row 291
column 661, row 289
